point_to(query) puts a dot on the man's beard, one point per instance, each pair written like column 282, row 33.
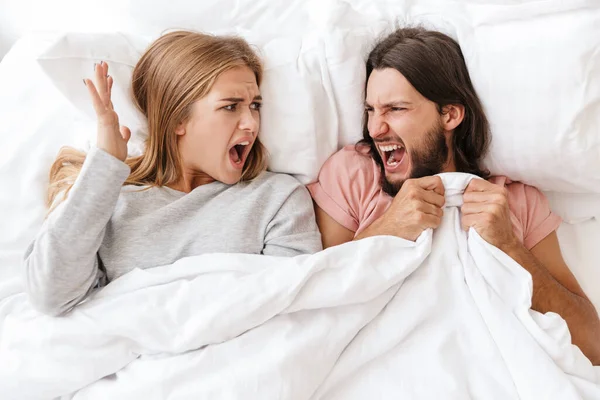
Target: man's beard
column 427, row 160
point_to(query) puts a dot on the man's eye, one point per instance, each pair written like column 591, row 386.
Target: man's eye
column 369, row 109
column 398, row 109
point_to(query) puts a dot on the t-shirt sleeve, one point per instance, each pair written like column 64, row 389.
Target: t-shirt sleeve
column 345, row 186
column 532, row 209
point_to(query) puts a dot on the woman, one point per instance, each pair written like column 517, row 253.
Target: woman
column 200, row 186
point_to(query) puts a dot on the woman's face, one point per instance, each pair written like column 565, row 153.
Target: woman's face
column 222, row 127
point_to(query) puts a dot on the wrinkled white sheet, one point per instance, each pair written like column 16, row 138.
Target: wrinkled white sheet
column 446, row 317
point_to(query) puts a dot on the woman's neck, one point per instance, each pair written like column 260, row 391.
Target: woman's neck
column 191, row 180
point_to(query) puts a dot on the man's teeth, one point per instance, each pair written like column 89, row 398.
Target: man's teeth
column 390, row 147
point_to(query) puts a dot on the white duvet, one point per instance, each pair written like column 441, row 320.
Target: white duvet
column 445, row 317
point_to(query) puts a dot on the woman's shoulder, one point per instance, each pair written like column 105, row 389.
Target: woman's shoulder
column 278, row 188
column 276, row 179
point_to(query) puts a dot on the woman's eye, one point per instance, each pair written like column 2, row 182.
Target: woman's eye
column 231, row 107
column 256, row 106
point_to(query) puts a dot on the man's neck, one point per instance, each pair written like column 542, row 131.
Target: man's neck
column 450, row 166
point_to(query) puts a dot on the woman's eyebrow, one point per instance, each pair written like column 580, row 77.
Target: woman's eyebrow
column 239, row 99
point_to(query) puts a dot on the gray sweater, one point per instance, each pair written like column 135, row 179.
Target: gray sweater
column 104, row 230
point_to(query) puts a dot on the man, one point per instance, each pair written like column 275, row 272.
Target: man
column 423, row 117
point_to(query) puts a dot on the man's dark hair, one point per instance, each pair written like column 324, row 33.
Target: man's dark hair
column 434, row 65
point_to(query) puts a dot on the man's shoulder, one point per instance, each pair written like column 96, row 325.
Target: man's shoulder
column 513, row 187
column 520, row 195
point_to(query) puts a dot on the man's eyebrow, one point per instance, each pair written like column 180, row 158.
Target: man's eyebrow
column 397, row 103
column 239, row 99
column 391, row 104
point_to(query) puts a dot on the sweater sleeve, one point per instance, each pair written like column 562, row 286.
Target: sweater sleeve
column 61, row 264
column 293, row 230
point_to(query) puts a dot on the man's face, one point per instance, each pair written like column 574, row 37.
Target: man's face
column 406, row 128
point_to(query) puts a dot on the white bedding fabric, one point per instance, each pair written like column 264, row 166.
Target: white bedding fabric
column 446, row 317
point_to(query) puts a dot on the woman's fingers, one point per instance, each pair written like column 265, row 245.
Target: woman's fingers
column 100, row 89
column 102, row 82
column 125, row 133
column 110, row 85
column 108, row 78
column 97, row 102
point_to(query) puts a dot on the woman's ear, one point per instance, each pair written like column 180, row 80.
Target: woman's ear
column 180, row 130
column 452, row 116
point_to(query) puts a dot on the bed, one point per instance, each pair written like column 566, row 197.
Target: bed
column 535, row 65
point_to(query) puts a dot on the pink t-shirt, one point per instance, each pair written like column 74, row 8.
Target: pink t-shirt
column 348, row 190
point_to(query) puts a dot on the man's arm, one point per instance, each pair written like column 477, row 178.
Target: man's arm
column 416, row 207
column 332, row 232
column 556, row 289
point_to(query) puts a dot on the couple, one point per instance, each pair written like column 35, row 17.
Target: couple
column 204, row 169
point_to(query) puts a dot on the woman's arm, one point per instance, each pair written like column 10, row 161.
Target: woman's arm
column 293, row 230
column 61, row 264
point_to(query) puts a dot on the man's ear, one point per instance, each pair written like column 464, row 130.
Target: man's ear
column 180, row 130
column 452, row 116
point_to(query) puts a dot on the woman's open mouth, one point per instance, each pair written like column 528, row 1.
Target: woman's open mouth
column 238, row 153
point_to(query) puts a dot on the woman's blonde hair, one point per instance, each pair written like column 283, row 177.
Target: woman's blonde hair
column 176, row 70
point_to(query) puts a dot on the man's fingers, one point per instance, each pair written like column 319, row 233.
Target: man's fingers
column 433, row 183
column 479, row 185
column 430, row 221
column 476, row 197
column 477, row 208
column 468, row 221
column 434, row 198
column 430, row 209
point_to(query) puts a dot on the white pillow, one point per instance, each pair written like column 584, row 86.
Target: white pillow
column 537, row 69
